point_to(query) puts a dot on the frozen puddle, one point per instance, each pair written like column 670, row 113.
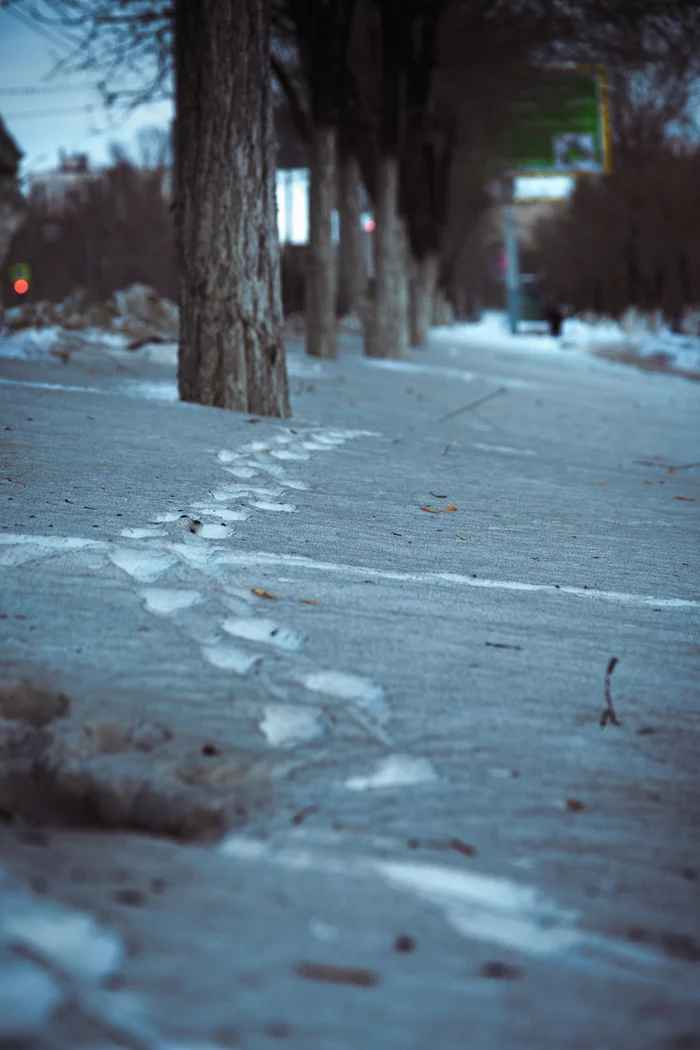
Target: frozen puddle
column 479, row 907
column 162, row 600
column 395, row 771
column 262, row 504
column 350, row 687
column 141, row 565
column 285, row 725
column 229, row 657
column 267, row 631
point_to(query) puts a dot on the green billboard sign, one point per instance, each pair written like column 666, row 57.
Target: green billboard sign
column 559, row 125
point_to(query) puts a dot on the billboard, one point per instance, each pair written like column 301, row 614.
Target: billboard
column 559, row 125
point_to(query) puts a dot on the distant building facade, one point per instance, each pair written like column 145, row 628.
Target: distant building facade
column 13, row 206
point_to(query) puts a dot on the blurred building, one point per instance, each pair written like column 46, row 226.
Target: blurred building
column 13, row 206
column 65, row 189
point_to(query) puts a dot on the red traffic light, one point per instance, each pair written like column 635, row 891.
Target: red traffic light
column 21, row 286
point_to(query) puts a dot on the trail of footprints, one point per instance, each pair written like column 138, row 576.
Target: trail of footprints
column 222, row 618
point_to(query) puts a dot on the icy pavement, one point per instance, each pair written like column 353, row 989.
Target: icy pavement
column 316, row 752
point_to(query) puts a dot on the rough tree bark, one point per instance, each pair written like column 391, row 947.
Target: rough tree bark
column 352, row 264
column 388, row 328
column 424, row 275
column 231, row 344
column 320, row 264
column 443, row 312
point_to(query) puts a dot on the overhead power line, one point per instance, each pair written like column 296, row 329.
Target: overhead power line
column 37, row 27
column 47, row 89
column 50, row 112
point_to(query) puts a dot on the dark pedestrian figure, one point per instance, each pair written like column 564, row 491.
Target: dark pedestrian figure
column 555, row 320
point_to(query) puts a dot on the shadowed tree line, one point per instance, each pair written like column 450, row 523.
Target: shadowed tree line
column 115, row 230
column 632, row 239
column 408, row 97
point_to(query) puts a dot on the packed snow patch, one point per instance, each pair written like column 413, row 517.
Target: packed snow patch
column 481, row 907
column 162, row 600
column 395, row 771
column 284, row 453
column 287, row 508
column 285, row 725
column 147, row 532
column 141, row 565
column 267, row 631
column 344, row 686
column 242, row 471
column 223, row 513
column 228, row 657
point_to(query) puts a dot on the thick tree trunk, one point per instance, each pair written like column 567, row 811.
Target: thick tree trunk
column 352, row 264
column 388, row 332
column 424, row 275
column 231, row 345
column 320, row 265
column 443, row 312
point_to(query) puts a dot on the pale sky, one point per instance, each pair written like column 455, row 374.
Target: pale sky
column 66, row 112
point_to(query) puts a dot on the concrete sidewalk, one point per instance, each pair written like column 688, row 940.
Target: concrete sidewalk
column 368, row 646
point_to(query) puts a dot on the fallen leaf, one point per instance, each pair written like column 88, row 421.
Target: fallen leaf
column 307, row 601
column 685, row 499
column 260, row 593
column 670, row 470
column 465, row 538
column 648, row 482
column 252, row 420
column 428, row 510
column 437, row 496
column 602, row 484
column 353, row 404
column 293, row 431
column 574, row 805
column 451, row 507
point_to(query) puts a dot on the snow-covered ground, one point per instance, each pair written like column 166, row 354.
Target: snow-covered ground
column 584, row 336
column 378, row 634
column 631, row 343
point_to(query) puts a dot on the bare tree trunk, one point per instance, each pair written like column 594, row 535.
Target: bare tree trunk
column 443, row 312
column 231, row 344
column 389, row 328
column 424, row 275
column 352, row 265
column 320, row 266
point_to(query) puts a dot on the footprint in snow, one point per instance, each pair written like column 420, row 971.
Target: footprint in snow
column 261, row 630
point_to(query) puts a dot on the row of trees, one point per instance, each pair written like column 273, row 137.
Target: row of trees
column 404, row 94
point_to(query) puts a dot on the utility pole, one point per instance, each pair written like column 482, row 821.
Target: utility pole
column 510, row 237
